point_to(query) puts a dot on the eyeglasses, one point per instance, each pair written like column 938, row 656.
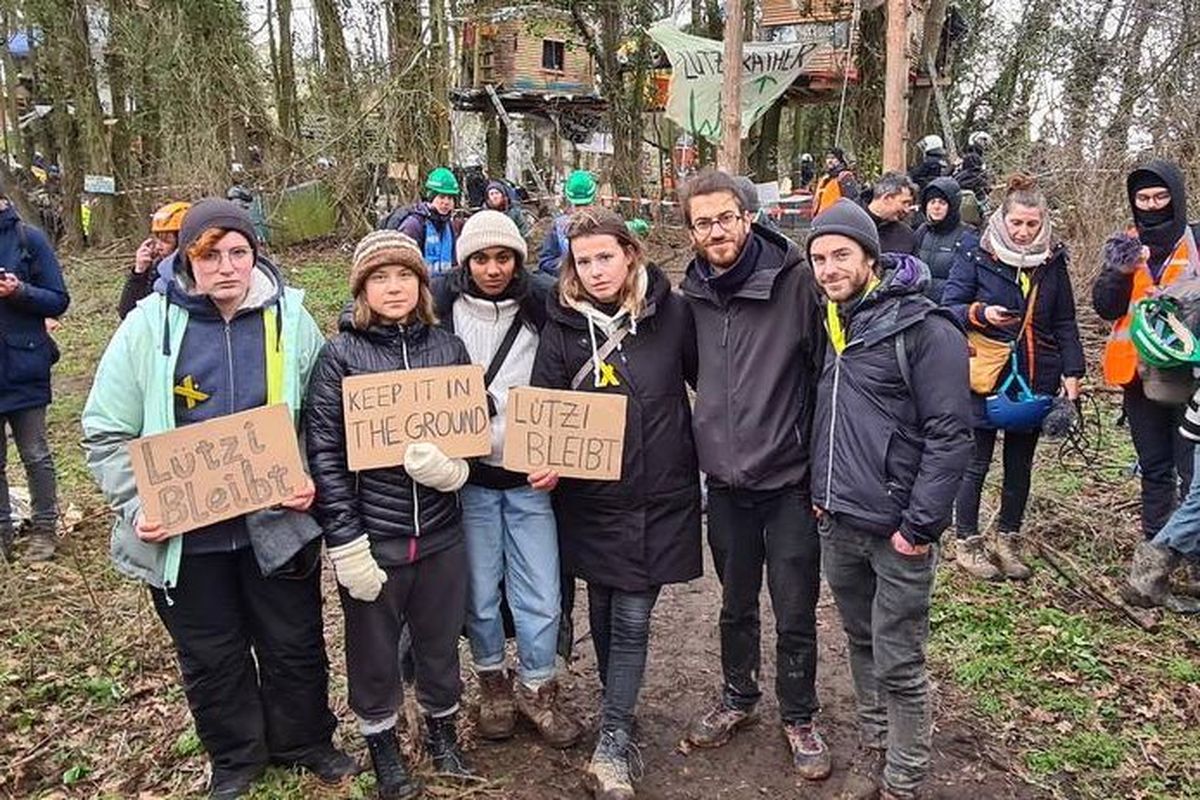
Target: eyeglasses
column 1154, row 199
column 704, row 226
column 237, row 256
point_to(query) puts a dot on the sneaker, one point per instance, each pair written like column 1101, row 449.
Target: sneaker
column 392, row 779
column 809, row 753
column 497, row 709
column 611, row 772
column 441, row 742
column 863, row 780
column 716, row 726
column 540, row 706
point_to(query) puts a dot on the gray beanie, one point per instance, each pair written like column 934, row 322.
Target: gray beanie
column 212, row 212
column 847, row 218
column 490, row 228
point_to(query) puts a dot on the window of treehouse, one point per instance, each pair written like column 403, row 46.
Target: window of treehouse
column 554, row 55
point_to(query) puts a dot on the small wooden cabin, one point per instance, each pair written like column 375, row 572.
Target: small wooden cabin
column 526, row 49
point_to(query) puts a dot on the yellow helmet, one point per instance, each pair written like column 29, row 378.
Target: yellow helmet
column 169, row 218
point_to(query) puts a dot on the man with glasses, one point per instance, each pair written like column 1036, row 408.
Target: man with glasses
column 761, row 345
column 1157, row 251
column 890, row 204
column 32, row 293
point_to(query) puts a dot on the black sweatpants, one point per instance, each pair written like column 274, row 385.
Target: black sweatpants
column 1019, row 450
column 747, row 529
column 430, row 596
column 1165, row 457
column 252, row 653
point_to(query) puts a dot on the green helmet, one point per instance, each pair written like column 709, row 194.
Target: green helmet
column 442, row 181
column 580, row 188
column 1161, row 339
column 638, row 226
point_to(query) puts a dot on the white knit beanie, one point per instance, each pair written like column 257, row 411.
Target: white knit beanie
column 490, row 228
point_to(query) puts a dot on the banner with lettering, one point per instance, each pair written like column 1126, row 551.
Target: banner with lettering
column 697, row 69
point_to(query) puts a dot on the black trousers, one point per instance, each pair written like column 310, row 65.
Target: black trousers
column 747, row 529
column 430, row 597
column 252, row 653
column 1165, row 457
column 1019, row 449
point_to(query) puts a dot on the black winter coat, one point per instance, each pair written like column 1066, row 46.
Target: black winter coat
column 404, row 520
column 888, row 457
column 760, row 352
column 643, row 530
column 1051, row 349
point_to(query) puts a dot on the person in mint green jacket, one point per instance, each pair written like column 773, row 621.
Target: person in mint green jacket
column 240, row 598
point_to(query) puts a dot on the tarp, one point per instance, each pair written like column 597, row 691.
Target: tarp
column 697, row 69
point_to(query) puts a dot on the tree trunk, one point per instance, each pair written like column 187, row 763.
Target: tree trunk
column 764, row 163
column 124, row 212
column 285, row 91
column 920, row 120
column 89, row 116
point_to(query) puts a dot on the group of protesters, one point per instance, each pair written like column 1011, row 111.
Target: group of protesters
column 847, row 402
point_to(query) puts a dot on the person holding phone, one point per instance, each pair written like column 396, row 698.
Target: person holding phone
column 1013, row 287
column 162, row 241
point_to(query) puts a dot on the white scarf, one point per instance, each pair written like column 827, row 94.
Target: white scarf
column 997, row 242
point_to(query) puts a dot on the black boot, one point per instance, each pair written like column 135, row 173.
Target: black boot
column 6, row 543
column 329, row 764
column 442, row 744
column 232, row 784
column 392, row 780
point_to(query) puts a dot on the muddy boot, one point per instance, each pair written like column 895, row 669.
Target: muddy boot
column 6, row 543
column 497, row 711
column 392, row 779
column 540, row 706
column 715, row 727
column 865, row 776
column 1149, row 580
column 441, row 741
column 1190, row 585
column 973, row 557
column 809, row 753
column 1008, row 556
column 609, row 775
column 42, row 543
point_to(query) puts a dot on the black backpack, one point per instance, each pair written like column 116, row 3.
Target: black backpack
column 396, row 217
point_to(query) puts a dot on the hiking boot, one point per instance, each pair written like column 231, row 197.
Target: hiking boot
column 497, row 709
column 1149, row 580
column 43, row 541
column 441, row 741
column 716, row 726
column 227, row 784
column 392, row 780
column 540, row 706
column 6, row 544
column 809, row 753
column 1008, row 556
column 863, row 780
column 329, row 764
column 610, row 773
column 1190, row 585
column 972, row 556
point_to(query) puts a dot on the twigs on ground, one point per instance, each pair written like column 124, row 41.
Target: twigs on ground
column 1095, row 587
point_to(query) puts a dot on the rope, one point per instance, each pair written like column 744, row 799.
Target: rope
column 854, row 19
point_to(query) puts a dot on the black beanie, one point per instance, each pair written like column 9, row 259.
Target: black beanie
column 213, row 212
column 847, row 218
column 1145, row 179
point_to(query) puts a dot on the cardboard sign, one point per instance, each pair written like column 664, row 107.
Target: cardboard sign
column 194, row 476
column 387, row 411
column 576, row 434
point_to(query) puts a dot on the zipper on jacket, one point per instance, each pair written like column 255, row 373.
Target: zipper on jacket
column 733, row 481
column 725, row 333
column 232, row 401
column 416, row 500
column 837, row 376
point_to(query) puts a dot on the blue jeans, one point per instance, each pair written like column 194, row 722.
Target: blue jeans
column 29, row 432
column 511, row 537
column 621, row 634
column 1182, row 531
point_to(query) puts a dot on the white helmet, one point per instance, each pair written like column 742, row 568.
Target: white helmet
column 931, row 142
column 980, row 139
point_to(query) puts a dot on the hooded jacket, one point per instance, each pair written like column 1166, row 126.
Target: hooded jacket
column 482, row 323
column 403, row 520
column 554, row 246
column 418, row 223
column 26, row 351
column 933, row 165
column 1113, row 288
column 133, row 395
column 1050, row 348
column 886, row 456
column 643, row 530
column 512, row 205
column 760, row 348
column 939, row 242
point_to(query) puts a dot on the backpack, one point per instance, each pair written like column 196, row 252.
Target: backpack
column 396, row 217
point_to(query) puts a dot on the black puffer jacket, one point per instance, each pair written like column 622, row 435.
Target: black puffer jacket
column 643, row 530
column 404, row 520
column 938, row 243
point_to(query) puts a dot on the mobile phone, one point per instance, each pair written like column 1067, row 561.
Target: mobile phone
column 1008, row 313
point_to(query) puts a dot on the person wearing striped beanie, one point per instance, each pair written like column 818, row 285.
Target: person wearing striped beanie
column 394, row 534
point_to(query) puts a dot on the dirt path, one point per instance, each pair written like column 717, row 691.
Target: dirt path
column 682, row 677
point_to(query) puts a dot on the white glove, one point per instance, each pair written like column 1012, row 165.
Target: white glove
column 426, row 464
column 356, row 569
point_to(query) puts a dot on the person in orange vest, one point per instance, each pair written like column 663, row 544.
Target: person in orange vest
column 837, row 182
column 1159, row 250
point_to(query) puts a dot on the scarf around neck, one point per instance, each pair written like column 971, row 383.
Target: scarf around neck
column 996, row 241
column 609, row 324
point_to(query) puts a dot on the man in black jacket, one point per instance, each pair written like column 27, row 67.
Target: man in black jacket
column 890, row 204
column 886, row 466
column 760, row 346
